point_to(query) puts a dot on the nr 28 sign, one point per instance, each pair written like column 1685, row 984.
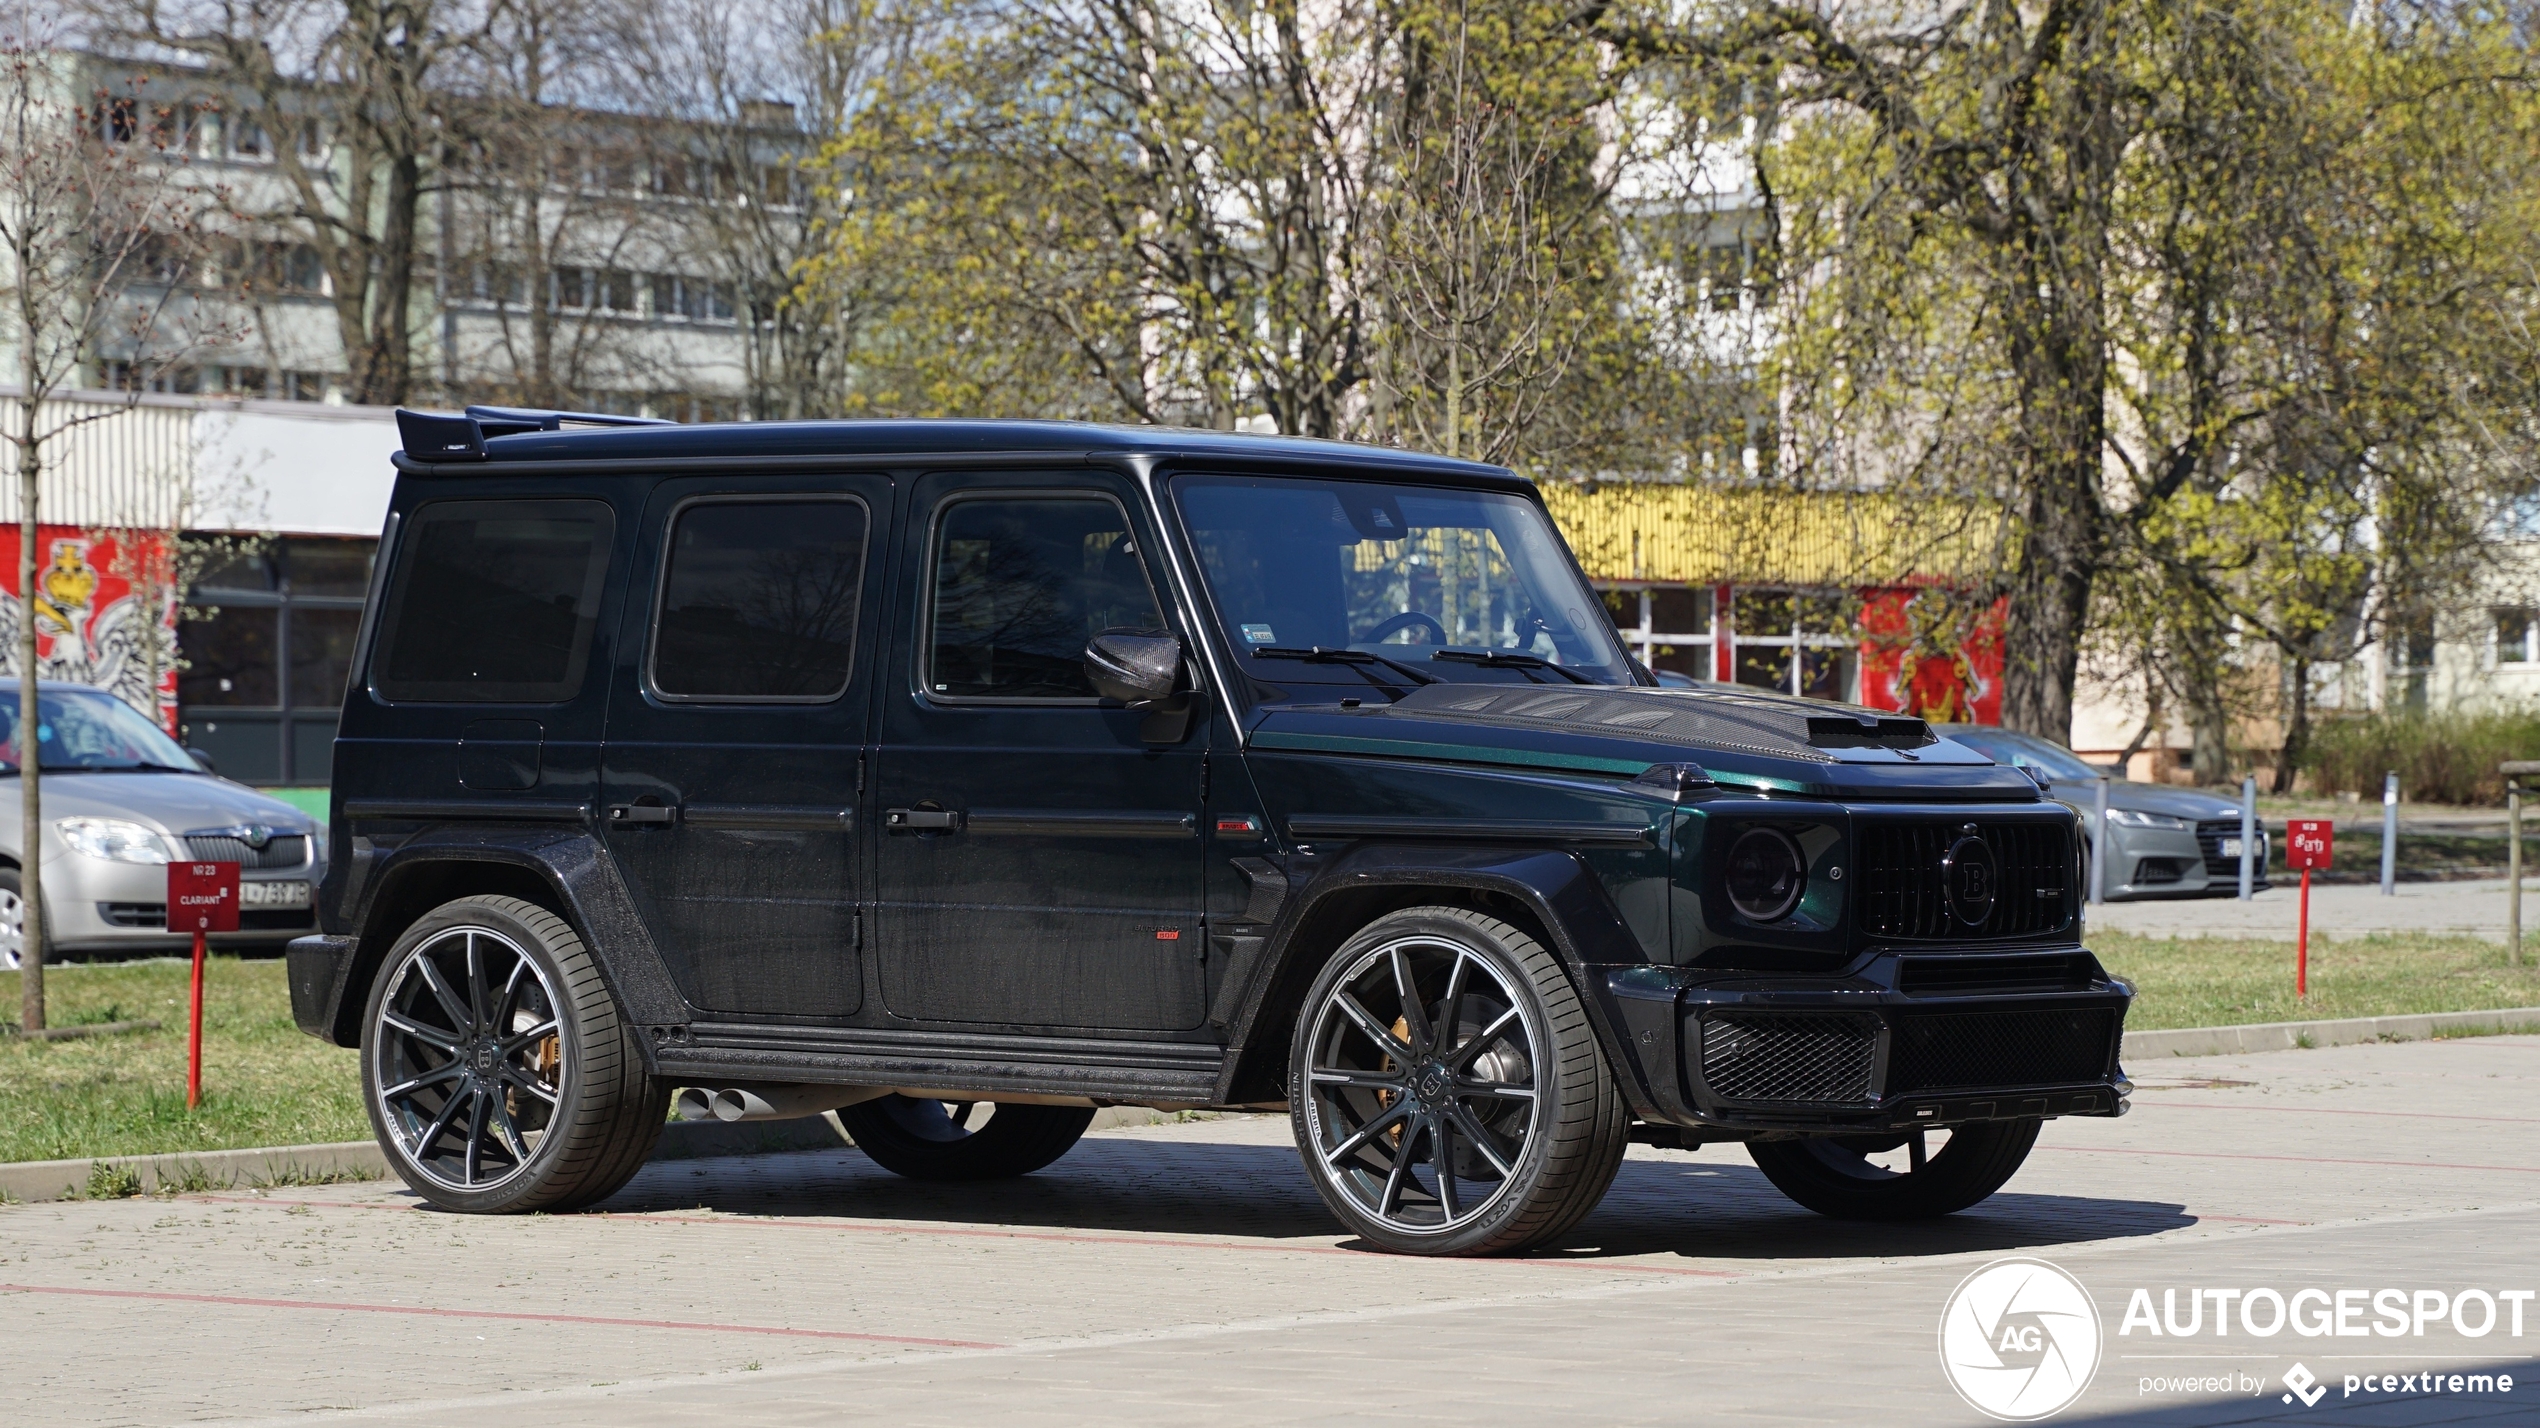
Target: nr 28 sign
column 2308, row 842
column 202, row 897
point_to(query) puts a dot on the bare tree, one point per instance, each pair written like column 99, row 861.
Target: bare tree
column 100, row 228
column 343, row 95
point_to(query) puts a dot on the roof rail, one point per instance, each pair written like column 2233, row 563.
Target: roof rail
column 511, row 421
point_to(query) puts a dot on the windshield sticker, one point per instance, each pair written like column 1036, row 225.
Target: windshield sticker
column 1259, row 635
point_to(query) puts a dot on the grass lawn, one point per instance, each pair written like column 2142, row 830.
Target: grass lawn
column 266, row 1084
column 2207, row 981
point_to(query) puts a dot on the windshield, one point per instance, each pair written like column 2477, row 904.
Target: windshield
column 2021, row 751
column 80, row 729
column 1456, row 584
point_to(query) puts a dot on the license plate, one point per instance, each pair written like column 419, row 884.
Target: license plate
column 273, row 894
column 2231, row 847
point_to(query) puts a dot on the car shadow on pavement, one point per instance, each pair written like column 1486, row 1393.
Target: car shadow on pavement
column 1659, row 1204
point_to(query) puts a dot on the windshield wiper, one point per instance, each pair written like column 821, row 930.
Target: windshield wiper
column 1511, row 659
column 1326, row 654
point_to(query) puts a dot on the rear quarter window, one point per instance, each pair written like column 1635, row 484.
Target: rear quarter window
column 494, row 602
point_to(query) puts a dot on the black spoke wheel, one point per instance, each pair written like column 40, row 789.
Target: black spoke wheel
column 1905, row 1176
column 927, row 1139
column 1448, row 1093
column 498, row 1074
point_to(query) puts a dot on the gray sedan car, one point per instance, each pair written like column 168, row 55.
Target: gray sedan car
column 2162, row 841
column 121, row 800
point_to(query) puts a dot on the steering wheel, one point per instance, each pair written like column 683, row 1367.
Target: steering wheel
column 1395, row 624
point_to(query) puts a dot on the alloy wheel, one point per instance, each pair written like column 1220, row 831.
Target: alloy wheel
column 12, row 930
column 1421, row 1084
column 471, row 1061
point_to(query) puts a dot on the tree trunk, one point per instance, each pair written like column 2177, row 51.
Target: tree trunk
column 2058, row 554
column 386, row 371
column 30, row 759
column 2297, row 727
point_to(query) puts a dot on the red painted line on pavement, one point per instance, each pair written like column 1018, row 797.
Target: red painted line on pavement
column 886, row 1227
column 241, row 1301
column 2295, row 1159
column 2343, row 1111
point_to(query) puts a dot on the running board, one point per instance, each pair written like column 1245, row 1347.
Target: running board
column 1131, row 1072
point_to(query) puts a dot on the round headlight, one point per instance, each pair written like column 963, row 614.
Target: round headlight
column 1766, row 874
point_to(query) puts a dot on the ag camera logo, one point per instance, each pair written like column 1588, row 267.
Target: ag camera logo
column 2019, row 1340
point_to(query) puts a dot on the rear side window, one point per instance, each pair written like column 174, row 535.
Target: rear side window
column 494, row 602
column 759, row 601
column 1020, row 584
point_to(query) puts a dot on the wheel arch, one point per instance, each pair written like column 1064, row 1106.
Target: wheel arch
column 1548, row 893
column 570, row 877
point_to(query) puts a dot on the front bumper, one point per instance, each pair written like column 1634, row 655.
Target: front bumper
column 1898, row 1040
column 92, row 905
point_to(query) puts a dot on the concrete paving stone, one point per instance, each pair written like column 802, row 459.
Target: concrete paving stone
column 1170, row 1273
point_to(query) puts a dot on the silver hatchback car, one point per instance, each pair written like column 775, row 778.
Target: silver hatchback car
column 122, row 800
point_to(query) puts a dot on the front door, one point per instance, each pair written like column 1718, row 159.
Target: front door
column 1039, row 867
column 736, row 731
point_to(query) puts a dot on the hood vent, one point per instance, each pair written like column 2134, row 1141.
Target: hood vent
column 1754, row 723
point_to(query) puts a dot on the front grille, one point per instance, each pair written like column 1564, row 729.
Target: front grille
column 1982, row 1051
column 1899, row 889
column 1994, row 974
column 285, row 850
column 1807, row 1058
column 2209, row 839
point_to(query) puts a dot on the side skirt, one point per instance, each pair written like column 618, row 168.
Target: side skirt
column 1134, row 1072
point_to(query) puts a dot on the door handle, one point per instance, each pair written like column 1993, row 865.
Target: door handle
column 921, row 819
column 621, row 814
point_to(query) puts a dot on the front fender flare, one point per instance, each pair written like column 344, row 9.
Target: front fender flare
column 1556, row 885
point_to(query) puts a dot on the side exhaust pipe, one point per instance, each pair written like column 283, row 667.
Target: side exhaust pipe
column 767, row 1100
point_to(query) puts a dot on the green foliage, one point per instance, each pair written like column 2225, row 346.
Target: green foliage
column 2213, row 981
column 2440, row 758
column 109, row 1181
column 265, row 1082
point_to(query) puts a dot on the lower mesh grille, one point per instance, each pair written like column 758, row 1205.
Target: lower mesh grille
column 1790, row 1057
column 1975, row 1051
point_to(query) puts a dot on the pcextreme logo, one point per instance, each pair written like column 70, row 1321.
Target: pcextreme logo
column 2019, row 1340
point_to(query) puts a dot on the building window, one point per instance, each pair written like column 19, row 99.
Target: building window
column 262, row 681
column 1673, row 628
column 1798, row 641
column 2517, row 637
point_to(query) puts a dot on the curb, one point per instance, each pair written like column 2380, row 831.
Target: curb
column 2351, row 1031
column 33, row 1180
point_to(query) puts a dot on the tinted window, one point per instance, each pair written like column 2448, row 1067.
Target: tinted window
column 760, row 600
column 494, row 602
column 1021, row 583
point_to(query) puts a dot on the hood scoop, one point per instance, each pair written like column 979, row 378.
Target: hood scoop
column 1778, row 727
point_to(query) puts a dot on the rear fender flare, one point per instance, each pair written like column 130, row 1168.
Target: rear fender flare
column 575, row 876
column 1370, row 879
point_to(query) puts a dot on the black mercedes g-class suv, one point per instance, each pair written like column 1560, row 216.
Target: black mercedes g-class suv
column 964, row 777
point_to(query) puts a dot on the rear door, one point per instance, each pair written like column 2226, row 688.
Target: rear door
column 1039, row 867
column 736, row 732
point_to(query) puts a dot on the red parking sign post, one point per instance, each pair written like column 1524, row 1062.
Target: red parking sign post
column 2308, row 843
column 202, row 897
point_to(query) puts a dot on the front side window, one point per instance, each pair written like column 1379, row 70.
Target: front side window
column 494, row 602
column 1407, row 572
column 759, row 600
column 1020, row 584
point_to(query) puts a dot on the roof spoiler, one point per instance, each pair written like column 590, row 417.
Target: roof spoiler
column 430, row 436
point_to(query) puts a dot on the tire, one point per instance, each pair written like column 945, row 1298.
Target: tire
column 13, row 920
column 936, row 1140
column 537, row 1102
column 1500, row 1067
column 1834, row 1176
